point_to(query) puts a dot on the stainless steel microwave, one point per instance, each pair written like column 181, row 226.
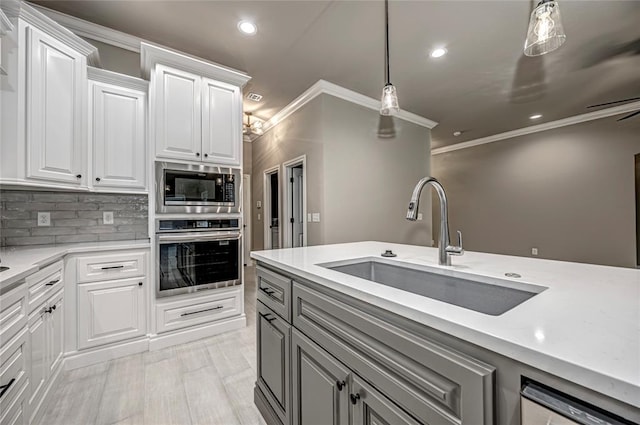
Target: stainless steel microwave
column 197, row 188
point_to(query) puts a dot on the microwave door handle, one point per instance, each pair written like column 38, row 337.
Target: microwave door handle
column 198, row 237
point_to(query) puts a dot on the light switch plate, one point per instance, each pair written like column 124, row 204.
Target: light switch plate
column 309, row 219
column 107, row 217
column 44, row 219
column 259, row 204
column 419, row 216
column 316, row 217
column 534, row 251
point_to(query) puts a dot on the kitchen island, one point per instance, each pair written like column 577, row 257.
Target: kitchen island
column 579, row 332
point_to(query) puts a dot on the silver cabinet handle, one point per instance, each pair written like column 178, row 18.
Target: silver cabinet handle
column 218, row 307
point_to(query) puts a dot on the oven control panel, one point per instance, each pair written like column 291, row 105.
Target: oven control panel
column 191, row 225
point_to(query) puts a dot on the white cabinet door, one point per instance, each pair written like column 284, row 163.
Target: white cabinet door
column 37, row 357
column 111, row 311
column 55, row 330
column 56, row 81
column 177, row 118
column 221, row 122
column 117, row 128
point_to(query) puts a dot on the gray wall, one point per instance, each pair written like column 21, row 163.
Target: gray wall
column 116, row 59
column 246, row 158
column 75, row 217
column 638, row 209
column 368, row 180
column 359, row 183
column 567, row 191
column 299, row 134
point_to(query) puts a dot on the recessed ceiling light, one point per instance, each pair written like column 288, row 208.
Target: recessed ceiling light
column 457, row 133
column 535, row 116
column 438, row 53
column 247, row 27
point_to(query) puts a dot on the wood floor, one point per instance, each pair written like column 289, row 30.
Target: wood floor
column 209, row 381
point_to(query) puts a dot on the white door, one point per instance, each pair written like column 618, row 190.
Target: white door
column 246, row 217
column 55, row 326
column 37, row 356
column 297, row 214
column 177, row 120
column 221, row 122
column 117, row 123
column 56, row 89
column 110, row 311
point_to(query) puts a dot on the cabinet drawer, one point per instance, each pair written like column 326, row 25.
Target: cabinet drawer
column 274, row 347
column 13, row 370
column 274, row 291
column 111, row 267
column 196, row 311
column 434, row 383
column 44, row 283
column 15, row 412
column 13, row 311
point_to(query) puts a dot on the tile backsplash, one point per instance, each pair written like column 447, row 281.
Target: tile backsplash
column 75, row 217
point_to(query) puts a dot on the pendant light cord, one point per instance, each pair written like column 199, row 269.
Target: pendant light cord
column 386, row 45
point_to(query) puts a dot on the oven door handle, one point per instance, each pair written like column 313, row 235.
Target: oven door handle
column 198, row 237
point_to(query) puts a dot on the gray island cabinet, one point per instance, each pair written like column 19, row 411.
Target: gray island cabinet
column 328, row 358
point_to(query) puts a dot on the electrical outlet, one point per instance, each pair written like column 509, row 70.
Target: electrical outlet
column 107, row 217
column 534, row 251
column 259, row 204
column 44, row 219
column 419, row 216
column 309, row 219
column 316, row 217
column 258, row 216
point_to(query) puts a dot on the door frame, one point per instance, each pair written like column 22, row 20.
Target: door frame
column 286, row 218
column 266, row 192
column 246, row 210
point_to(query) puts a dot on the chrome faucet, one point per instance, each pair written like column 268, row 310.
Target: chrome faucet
column 445, row 250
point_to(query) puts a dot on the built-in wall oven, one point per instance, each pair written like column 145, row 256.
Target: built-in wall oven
column 197, row 188
column 196, row 254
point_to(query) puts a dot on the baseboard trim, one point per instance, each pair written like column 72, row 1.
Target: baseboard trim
column 77, row 359
column 158, row 342
column 264, row 408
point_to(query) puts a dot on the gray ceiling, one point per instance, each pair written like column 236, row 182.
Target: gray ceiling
column 483, row 86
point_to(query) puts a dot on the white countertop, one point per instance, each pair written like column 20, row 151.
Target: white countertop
column 584, row 328
column 25, row 260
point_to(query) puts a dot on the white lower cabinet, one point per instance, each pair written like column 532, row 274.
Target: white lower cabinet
column 13, row 380
column 111, row 311
column 45, row 349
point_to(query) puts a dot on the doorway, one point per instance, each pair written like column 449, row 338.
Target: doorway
column 294, row 223
column 272, row 233
column 246, row 218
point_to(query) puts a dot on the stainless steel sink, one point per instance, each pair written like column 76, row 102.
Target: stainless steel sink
column 3, row 268
column 485, row 295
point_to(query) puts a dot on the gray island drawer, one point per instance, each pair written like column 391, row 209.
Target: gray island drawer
column 433, row 382
column 274, row 291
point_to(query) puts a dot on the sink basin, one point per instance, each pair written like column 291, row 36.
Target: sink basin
column 3, row 268
column 485, row 295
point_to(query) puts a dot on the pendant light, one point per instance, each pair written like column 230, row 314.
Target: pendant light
column 389, row 101
column 545, row 33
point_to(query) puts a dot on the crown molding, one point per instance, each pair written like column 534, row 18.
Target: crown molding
column 152, row 54
column 5, row 25
column 117, row 79
column 577, row 119
column 93, row 31
column 325, row 87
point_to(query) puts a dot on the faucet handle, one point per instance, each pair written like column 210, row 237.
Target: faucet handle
column 456, row 250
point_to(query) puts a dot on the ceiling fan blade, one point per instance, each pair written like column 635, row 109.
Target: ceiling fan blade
column 614, row 102
column 630, row 115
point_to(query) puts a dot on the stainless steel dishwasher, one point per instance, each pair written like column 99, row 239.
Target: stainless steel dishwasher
column 543, row 406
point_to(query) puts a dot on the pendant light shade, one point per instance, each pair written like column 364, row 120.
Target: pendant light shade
column 545, row 33
column 389, row 100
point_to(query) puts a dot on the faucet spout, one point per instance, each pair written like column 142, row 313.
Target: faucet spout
column 445, row 249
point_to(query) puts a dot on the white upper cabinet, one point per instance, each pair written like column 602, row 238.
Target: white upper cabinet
column 197, row 107
column 117, row 129
column 178, row 125
column 221, row 128
column 55, row 80
column 43, row 139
